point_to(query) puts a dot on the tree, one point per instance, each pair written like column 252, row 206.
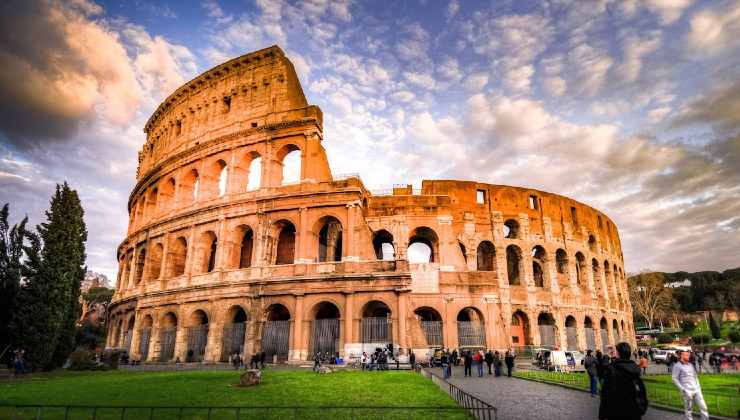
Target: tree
column 11, row 254
column 48, row 306
column 715, row 329
column 650, row 298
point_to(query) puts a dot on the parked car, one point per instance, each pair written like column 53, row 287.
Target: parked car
column 660, row 355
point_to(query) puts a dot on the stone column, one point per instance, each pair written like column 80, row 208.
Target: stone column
column 350, row 344
column 165, row 261
column 298, row 350
column 214, row 343
column 135, row 338
column 154, row 344
column 302, row 240
column 190, row 256
column 450, row 324
column 223, row 248
column 349, row 243
column 402, row 331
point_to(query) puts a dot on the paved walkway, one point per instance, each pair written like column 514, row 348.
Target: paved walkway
column 520, row 399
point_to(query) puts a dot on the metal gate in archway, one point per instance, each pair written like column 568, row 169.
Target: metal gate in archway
column 233, row 340
column 471, row 334
column 275, row 336
column 167, row 344
column 127, row 340
column 547, row 335
column 572, row 335
column 144, row 338
column 197, row 341
column 590, row 339
column 376, row 332
column 325, row 336
column 432, row 332
column 604, row 339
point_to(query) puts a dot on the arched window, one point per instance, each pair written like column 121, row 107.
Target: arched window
column 222, row 178
column 539, row 264
column 383, row 245
column 471, row 329
column 197, row 331
column 177, row 256
column 520, row 329
column 514, row 264
column 546, row 323
column 592, row 243
column 208, row 246
column 431, row 324
column 140, row 261
column 580, row 268
column 486, row 256
column 561, row 261
column 330, row 239
column 290, row 160
column 571, row 333
column 189, row 187
column 151, row 204
column 511, row 229
column 596, row 273
column 285, row 247
column 422, row 246
column 155, row 261
column 246, row 246
column 254, row 173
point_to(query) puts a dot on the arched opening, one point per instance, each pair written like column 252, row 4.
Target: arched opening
column 539, row 261
column 514, row 264
column 246, row 246
column 276, row 333
column 383, row 245
column 431, row 325
column 234, row 332
column 604, row 327
column 325, row 329
column 208, row 246
column 254, row 172
column 580, row 269
column 571, row 333
column 197, row 336
column 285, row 247
column 520, row 329
column 615, row 332
column 511, row 229
column 155, row 262
column 597, row 274
column 546, row 324
column 471, row 329
column 145, row 335
column 223, row 177
column 463, row 251
column 151, row 204
column 607, row 276
column 139, row 212
column 588, row 328
column 561, row 265
column 177, row 255
column 129, row 334
column 290, row 160
column 189, row 187
column 126, row 276
column 140, row 261
column 486, row 256
column 375, row 325
column 422, row 246
column 624, row 334
column 592, row 243
column 167, row 195
column 330, row 239
column 167, row 337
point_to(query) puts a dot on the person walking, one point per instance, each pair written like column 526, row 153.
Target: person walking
column 591, row 365
column 700, row 362
column 317, row 362
column 444, row 361
column 509, row 360
column 412, row 360
column 468, row 363
column 643, row 364
column 623, row 393
column 489, row 360
column 686, row 380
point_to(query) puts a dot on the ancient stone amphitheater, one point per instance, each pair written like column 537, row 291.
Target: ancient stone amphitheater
column 223, row 256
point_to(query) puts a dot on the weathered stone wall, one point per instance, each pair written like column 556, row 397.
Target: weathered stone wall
column 200, row 240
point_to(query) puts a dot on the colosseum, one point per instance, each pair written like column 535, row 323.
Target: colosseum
column 226, row 252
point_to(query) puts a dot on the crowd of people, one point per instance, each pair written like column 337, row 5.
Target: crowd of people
column 494, row 361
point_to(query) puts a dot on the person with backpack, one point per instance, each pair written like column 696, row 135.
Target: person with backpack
column 468, row 363
column 489, row 360
column 686, row 379
column 509, row 361
column 591, row 365
column 623, row 394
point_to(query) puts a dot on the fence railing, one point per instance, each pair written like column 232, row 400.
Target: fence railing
column 73, row 412
column 658, row 393
column 473, row 406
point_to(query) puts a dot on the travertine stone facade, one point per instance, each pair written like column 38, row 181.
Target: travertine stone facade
column 222, row 256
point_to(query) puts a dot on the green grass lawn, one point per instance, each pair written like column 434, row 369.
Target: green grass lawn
column 279, row 388
column 721, row 392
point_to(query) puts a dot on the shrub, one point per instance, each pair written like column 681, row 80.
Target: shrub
column 714, row 327
column 701, row 338
column 687, row 326
column 734, row 335
column 110, row 359
column 82, row 359
column 665, row 338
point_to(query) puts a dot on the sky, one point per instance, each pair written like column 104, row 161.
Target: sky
column 631, row 106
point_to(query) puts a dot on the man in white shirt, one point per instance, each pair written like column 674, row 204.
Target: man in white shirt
column 687, row 381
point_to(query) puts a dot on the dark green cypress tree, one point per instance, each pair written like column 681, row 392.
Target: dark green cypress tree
column 11, row 253
column 49, row 303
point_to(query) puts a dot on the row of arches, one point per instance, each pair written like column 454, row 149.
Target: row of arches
column 521, row 334
column 212, row 179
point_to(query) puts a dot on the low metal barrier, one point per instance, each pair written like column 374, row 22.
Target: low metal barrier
column 74, row 412
column 473, row 406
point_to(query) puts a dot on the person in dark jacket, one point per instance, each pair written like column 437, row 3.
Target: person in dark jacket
column 468, row 362
column 623, row 395
column 444, row 361
column 591, row 365
column 509, row 361
column 489, row 361
column 412, row 360
column 497, row 363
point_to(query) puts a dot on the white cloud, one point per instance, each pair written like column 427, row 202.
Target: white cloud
column 476, row 82
column 453, row 7
column 715, row 30
column 668, row 11
column 421, row 80
column 555, row 86
column 635, row 49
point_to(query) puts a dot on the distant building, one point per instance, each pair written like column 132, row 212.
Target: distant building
column 676, row 284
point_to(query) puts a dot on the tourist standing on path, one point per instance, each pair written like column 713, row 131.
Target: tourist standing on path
column 509, row 360
column 468, row 363
column 489, row 360
column 317, row 362
column 444, row 361
column 478, row 357
column 497, row 363
column 591, row 365
column 623, row 393
column 412, row 360
column 644, row 363
column 685, row 377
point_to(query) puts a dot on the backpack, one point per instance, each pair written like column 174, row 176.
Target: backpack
column 636, row 394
